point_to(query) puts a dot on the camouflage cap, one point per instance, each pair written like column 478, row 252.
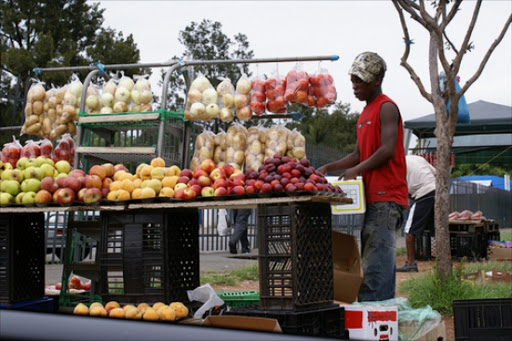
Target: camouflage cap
column 367, row 66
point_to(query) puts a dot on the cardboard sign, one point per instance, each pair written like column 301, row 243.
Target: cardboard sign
column 355, row 190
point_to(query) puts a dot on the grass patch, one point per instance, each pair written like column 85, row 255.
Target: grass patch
column 429, row 289
column 231, row 277
column 505, row 235
column 401, row 251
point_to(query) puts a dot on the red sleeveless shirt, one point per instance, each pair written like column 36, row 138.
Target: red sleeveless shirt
column 387, row 182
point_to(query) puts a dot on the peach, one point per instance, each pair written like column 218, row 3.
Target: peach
column 136, row 193
column 158, row 173
column 170, row 181
column 112, row 304
column 81, row 309
column 132, row 314
column 158, row 162
column 128, row 306
column 145, row 173
column 112, row 195
column 115, row 185
column 147, row 192
column 97, row 311
column 127, row 185
column 139, row 169
column 150, row 315
column 95, row 304
column 157, row 305
column 125, row 175
column 180, row 309
column 174, row 170
column 123, row 195
column 117, row 313
column 166, row 192
column 155, row 184
column 167, row 314
column 117, row 175
column 137, row 183
column 142, row 305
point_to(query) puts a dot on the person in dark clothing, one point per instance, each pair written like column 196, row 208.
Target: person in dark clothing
column 241, row 218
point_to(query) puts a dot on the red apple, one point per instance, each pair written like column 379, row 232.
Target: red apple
column 80, row 194
column 180, row 193
column 228, row 169
column 208, row 165
column 63, row 196
column 197, row 189
column 43, row 196
column 220, row 183
column 207, row 192
column 106, row 182
column 187, row 172
column 250, row 189
column 49, row 184
column 204, row 180
column 183, row 180
column 92, row 195
column 189, row 193
column 98, row 170
column 119, row 167
column 310, row 187
column 277, row 187
column 198, row 172
column 93, row 181
column 217, row 173
column 77, row 172
column 238, row 190
column 105, row 191
column 60, row 182
column 73, row 182
column 109, row 169
column 192, row 182
column 236, row 182
column 266, row 188
column 220, row 191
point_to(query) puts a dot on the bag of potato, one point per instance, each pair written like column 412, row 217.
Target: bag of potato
column 67, row 113
column 236, row 139
column 34, row 110
column 321, row 88
column 296, row 145
column 196, row 108
column 243, row 98
column 274, row 90
column 220, row 149
column 258, row 97
column 276, row 143
column 226, row 93
column 255, row 147
column 142, row 97
column 107, row 97
column 204, row 148
column 297, row 85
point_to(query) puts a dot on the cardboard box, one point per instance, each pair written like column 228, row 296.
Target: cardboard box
column 499, row 253
column 243, row 322
column 371, row 322
column 347, row 274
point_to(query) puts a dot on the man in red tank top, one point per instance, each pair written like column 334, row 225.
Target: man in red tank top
column 379, row 157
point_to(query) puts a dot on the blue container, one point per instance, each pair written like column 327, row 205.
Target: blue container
column 45, row 304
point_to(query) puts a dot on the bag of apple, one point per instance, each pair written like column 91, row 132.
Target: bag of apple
column 258, row 97
column 220, row 149
column 195, row 109
column 296, row 145
column 11, row 152
column 46, row 148
column 92, row 99
column 236, row 138
column 243, row 98
column 30, row 150
column 204, row 148
column 226, row 93
column 321, row 87
column 274, row 90
column 123, row 94
column 255, row 148
column 297, row 85
column 276, row 143
column 142, row 97
column 107, row 97
column 65, row 149
column 34, row 110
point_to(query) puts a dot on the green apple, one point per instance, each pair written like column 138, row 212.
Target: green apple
column 33, row 163
column 60, row 175
column 63, row 166
column 31, row 185
column 22, row 163
column 12, row 174
column 48, row 170
column 6, row 198
column 29, row 198
column 19, row 198
column 33, row 173
column 10, row 186
column 42, row 160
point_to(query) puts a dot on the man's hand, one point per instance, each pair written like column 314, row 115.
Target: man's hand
column 349, row 174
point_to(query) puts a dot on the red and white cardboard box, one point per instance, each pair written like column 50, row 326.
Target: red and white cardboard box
column 371, row 322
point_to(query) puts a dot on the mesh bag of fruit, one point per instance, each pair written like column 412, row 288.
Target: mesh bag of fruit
column 107, row 97
column 141, row 95
column 226, row 93
column 195, row 108
column 243, row 98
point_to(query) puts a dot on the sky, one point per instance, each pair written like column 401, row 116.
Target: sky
column 278, row 29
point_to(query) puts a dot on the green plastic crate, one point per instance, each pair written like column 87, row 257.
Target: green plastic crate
column 242, row 298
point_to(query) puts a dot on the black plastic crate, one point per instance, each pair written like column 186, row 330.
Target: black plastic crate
column 22, row 257
column 325, row 322
column 423, row 246
column 149, row 255
column 483, row 319
column 295, row 256
column 470, row 245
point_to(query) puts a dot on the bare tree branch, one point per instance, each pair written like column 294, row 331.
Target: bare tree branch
column 469, row 32
column 486, row 57
column 404, row 63
column 451, row 15
column 411, row 8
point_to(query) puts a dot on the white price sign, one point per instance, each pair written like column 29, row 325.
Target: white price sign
column 354, row 189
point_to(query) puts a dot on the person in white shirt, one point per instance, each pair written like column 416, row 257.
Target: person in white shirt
column 421, row 184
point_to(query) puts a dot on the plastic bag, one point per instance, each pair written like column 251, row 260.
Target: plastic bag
column 236, row 138
column 297, row 82
column 222, row 224
column 107, row 97
column 220, row 149
column 196, row 109
column 274, row 90
column 65, row 149
column 207, row 295
column 46, row 148
column 321, row 88
column 258, row 97
column 463, row 113
column 92, row 99
column 204, row 148
column 11, row 152
column 276, row 143
column 123, row 94
column 34, row 110
column 30, row 150
column 296, row 145
column 226, row 93
column 255, row 148
column 243, row 98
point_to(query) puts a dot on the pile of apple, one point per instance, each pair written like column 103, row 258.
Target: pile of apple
column 159, row 311
column 76, row 283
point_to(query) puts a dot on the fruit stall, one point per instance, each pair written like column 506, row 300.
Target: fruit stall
column 124, row 173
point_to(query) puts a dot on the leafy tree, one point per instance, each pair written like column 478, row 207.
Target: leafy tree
column 478, row 169
column 436, row 20
column 52, row 34
column 205, row 41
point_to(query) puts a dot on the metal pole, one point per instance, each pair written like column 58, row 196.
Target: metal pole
column 108, row 67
